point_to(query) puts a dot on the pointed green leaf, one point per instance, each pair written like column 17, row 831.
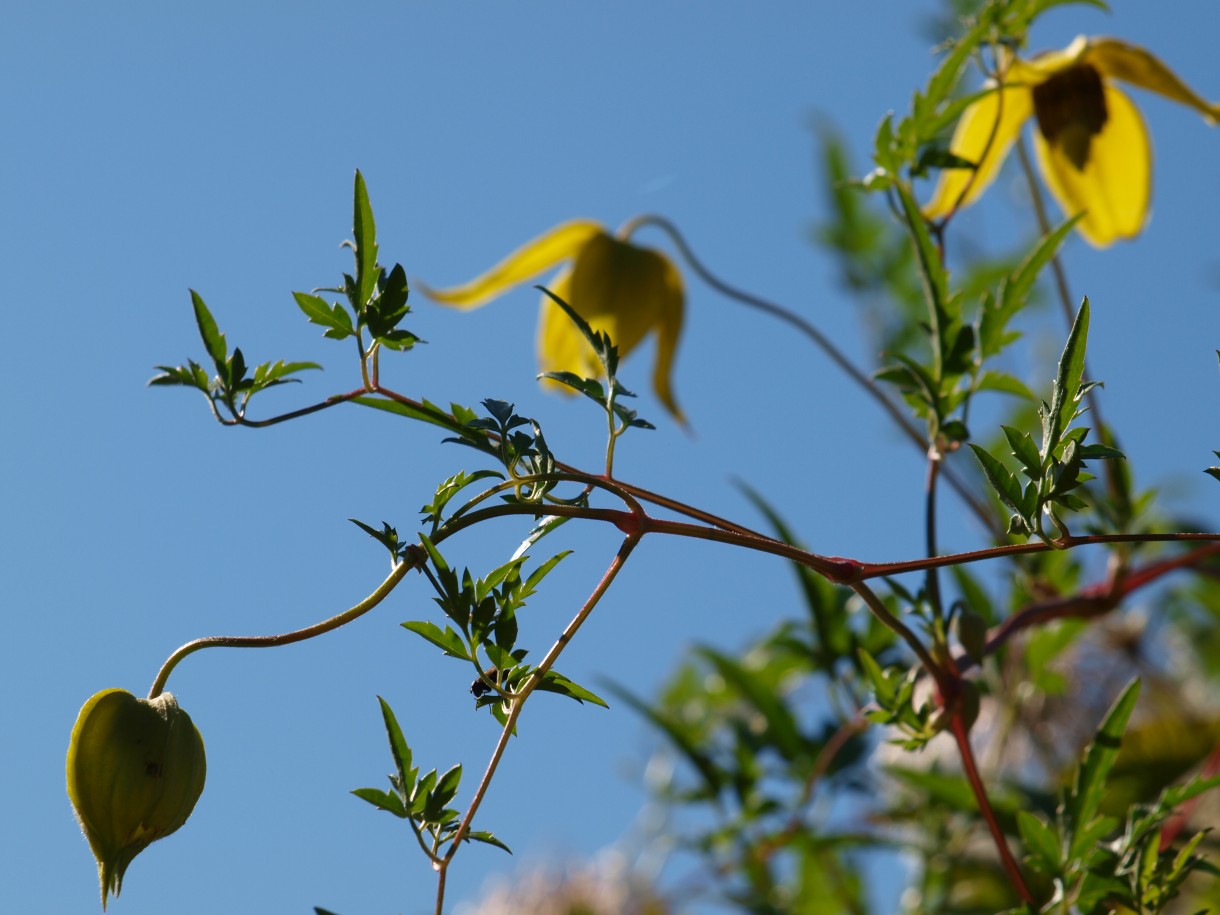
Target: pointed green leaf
column 1067, row 380
column 478, row 835
column 213, row 339
column 399, row 748
column 1099, row 756
column 554, row 682
column 382, row 800
column 448, row 640
column 364, row 232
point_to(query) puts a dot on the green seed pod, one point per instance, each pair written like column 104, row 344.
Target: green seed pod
column 135, row 770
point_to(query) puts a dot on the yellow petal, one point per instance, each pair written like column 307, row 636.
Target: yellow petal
column 1119, row 60
column 1048, row 63
column 620, row 289
column 989, row 125
column 1114, row 185
column 561, row 347
column 526, row 262
column 669, row 330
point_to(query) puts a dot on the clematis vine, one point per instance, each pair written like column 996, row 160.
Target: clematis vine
column 1092, row 144
column 620, row 288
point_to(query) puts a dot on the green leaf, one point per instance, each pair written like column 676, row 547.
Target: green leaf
column 364, row 231
column 1024, row 450
column 1041, row 842
column 382, row 800
column 554, row 682
column 1099, row 756
column 1067, row 381
column 1014, row 293
column 606, row 352
column 1003, row 482
column 478, row 835
column 446, row 789
column 213, row 339
column 335, row 318
column 448, row 640
column 399, row 748
column 1004, row 384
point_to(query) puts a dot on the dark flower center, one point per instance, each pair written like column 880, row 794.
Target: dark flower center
column 1071, row 110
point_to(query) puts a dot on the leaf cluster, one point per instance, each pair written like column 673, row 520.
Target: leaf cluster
column 423, row 801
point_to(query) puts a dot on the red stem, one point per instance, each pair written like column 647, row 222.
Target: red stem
column 1015, row 877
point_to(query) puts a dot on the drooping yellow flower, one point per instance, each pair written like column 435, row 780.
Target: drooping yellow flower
column 620, row 288
column 1092, row 145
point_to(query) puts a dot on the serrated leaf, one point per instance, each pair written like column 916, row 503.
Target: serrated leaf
column 447, row 640
column 1024, row 450
column 333, row 317
column 382, row 800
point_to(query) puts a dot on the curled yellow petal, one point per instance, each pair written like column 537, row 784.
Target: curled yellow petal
column 984, row 135
column 1118, row 60
column 1107, row 176
column 532, row 258
column 669, row 328
column 624, row 291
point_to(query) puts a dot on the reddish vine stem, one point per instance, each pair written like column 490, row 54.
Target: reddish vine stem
column 510, row 725
column 961, row 734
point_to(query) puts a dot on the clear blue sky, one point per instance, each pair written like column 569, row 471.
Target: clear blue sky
column 152, row 148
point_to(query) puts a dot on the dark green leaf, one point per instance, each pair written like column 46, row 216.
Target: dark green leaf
column 213, row 339
column 477, row 835
column 1067, row 380
column 399, row 747
column 1003, row 482
column 554, row 682
column 448, row 640
column 382, row 800
column 335, row 318
column 364, row 231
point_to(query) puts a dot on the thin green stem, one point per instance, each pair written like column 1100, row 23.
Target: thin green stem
column 287, row 638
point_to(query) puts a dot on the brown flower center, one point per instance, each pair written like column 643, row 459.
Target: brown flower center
column 1071, row 110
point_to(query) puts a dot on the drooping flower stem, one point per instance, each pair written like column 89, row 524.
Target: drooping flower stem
column 286, row 638
column 820, row 340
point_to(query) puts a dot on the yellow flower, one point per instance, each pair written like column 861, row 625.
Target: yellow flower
column 1092, row 145
column 619, row 288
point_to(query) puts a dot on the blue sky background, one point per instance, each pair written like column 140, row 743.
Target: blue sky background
column 151, row 148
